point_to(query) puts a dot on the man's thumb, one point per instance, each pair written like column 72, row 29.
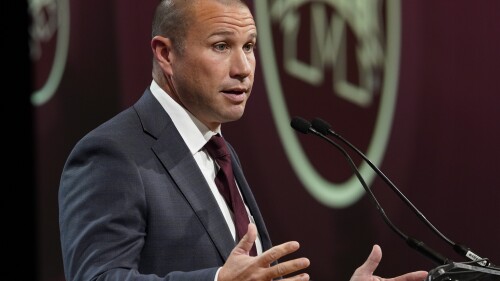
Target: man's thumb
column 373, row 259
column 247, row 240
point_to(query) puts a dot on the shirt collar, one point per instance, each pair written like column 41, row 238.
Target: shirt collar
column 194, row 133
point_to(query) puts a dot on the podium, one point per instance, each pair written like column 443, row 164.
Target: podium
column 464, row 272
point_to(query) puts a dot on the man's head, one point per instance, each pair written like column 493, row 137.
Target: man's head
column 204, row 56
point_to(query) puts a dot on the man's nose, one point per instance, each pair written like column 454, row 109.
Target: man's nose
column 241, row 64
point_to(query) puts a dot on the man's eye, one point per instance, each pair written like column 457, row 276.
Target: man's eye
column 220, row 47
column 249, row 47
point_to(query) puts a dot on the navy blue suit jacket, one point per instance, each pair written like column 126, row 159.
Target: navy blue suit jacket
column 133, row 204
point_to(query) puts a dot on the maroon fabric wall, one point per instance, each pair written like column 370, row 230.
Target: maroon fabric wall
column 442, row 150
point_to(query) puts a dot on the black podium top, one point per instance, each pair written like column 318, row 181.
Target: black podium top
column 464, row 272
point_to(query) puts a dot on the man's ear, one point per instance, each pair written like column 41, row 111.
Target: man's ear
column 163, row 53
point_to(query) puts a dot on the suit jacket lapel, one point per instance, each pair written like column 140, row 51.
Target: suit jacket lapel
column 250, row 201
column 182, row 167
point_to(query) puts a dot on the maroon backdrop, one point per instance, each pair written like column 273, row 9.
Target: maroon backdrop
column 442, row 153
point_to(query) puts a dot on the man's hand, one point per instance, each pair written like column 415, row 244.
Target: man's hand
column 240, row 266
column 365, row 271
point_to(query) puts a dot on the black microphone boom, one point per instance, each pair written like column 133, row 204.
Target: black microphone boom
column 324, row 128
column 305, row 127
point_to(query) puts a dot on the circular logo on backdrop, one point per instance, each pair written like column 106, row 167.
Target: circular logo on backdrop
column 337, row 60
column 49, row 46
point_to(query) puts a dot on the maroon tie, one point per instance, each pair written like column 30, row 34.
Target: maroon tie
column 226, row 184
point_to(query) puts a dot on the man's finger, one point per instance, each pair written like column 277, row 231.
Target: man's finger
column 284, row 268
column 278, row 252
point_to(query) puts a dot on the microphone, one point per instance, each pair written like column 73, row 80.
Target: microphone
column 324, row 128
column 305, row 127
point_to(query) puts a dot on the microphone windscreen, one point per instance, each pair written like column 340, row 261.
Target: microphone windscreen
column 300, row 124
column 321, row 126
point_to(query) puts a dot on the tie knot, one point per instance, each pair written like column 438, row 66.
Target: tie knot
column 216, row 147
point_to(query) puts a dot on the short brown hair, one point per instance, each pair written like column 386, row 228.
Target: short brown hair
column 172, row 19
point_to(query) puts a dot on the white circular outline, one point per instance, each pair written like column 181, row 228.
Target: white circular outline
column 46, row 92
column 332, row 194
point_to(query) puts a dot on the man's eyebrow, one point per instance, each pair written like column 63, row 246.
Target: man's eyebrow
column 222, row 32
column 252, row 35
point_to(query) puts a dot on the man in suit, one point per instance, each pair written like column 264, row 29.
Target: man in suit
column 137, row 198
